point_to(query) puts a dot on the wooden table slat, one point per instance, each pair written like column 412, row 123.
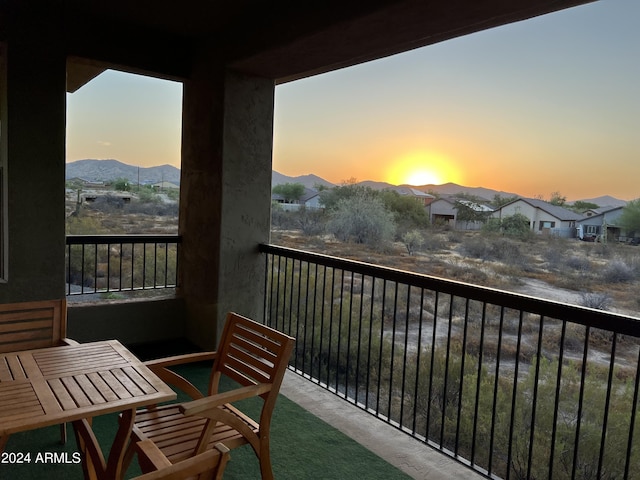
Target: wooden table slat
column 5, row 373
column 102, row 386
column 75, row 391
column 60, row 392
column 115, row 385
column 89, row 389
column 134, row 375
column 15, row 367
column 126, row 382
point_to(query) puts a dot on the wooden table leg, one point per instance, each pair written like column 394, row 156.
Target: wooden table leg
column 120, row 443
column 93, row 464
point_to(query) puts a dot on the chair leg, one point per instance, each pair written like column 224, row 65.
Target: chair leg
column 266, row 470
column 63, row 433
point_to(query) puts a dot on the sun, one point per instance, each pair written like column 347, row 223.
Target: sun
column 422, row 177
column 422, row 168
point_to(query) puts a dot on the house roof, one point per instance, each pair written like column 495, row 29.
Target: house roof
column 281, row 40
column 602, row 215
column 559, row 212
column 478, row 207
column 403, row 190
column 603, row 210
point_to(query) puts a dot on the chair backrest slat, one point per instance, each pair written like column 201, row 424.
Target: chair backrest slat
column 29, row 325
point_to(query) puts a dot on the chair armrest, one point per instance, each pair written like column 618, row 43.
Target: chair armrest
column 68, row 341
column 213, row 401
column 151, row 455
column 181, row 359
column 160, row 368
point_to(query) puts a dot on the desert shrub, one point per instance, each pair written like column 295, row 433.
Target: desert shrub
column 554, row 251
column 516, row 226
column 617, row 271
column 309, row 221
column 107, row 203
column 153, row 208
column 280, row 219
column 495, row 248
column 454, row 236
column 601, row 249
column 412, row 241
column 433, row 242
column 82, row 225
column 580, row 264
column 476, row 247
column 599, row 301
column 362, row 219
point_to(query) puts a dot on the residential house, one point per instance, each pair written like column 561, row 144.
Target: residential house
column 544, row 217
column 164, row 185
column 309, row 199
column 598, row 221
column 445, row 211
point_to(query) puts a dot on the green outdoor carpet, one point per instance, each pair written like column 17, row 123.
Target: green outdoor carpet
column 302, row 447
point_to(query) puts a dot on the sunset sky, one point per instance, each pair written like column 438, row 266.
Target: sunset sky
column 550, row 104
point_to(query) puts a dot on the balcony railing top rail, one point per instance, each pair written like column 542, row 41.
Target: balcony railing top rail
column 122, row 238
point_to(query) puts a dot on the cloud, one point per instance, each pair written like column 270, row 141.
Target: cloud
column 104, row 143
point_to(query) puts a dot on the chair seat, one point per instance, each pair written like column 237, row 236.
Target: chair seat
column 176, row 435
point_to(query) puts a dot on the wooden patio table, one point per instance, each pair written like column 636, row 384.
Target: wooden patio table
column 49, row 386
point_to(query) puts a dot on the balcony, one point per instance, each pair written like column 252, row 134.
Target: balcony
column 507, row 385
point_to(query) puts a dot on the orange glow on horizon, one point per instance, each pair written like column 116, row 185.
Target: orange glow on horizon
column 422, row 168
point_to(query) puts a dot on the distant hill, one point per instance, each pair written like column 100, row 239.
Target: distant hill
column 309, row 181
column 108, row 170
column 605, row 201
column 444, row 189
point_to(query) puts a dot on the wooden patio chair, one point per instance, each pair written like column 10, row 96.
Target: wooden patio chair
column 253, row 355
column 31, row 325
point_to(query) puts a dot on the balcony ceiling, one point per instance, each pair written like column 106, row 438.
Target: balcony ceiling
column 280, row 39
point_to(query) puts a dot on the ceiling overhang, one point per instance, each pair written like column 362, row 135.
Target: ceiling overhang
column 282, row 40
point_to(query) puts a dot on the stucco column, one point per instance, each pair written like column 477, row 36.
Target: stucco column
column 225, row 197
column 35, row 145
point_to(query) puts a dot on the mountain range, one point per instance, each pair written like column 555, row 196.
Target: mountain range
column 107, row 170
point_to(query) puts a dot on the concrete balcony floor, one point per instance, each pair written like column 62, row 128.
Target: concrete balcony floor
column 409, row 455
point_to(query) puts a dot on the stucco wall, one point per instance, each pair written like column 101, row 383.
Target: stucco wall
column 35, row 143
column 130, row 322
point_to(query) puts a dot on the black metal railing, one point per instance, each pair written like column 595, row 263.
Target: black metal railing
column 116, row 263
column 510, row 385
